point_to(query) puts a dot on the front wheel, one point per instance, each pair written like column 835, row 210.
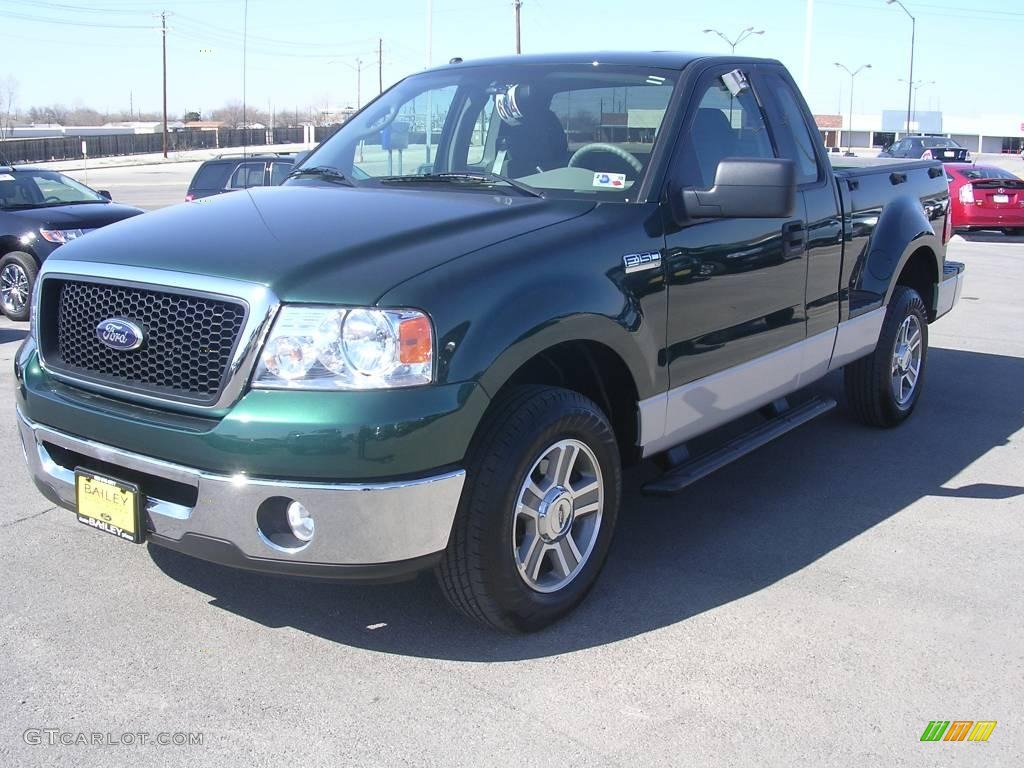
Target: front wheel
column 18, row 272
column 537, row 513
column 883, row 388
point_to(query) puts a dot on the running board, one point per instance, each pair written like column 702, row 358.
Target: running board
column 677, row 478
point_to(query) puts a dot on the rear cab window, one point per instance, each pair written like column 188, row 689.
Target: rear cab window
column 793, row 134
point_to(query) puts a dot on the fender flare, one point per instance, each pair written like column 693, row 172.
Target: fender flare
column 903, row 229
column 927, row 242
column 587, row 328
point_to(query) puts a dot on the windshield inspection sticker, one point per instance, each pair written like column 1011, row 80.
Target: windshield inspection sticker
column 614, row 180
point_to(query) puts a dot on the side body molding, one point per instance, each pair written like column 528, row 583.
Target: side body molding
column 692, row 409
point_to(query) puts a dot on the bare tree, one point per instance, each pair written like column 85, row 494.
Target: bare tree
column 235, row 115
column 8, row 105
column 53, row 113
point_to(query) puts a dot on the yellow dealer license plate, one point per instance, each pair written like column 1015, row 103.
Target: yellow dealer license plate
column 108, row 505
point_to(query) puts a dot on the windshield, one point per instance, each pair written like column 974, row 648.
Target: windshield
column 567, row 130
column 34, row 189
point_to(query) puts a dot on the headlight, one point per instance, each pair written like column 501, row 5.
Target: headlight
column 331, row 348
column 60, row 235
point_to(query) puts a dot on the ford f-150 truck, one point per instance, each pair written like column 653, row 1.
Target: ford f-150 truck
column 439, row 342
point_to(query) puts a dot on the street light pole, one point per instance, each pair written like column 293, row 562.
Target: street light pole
column 743, row 35
column 849, row 131
column 913, row 34
column 916, row 85
column 163, row 33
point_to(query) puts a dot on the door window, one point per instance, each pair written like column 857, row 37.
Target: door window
column 247, row 175
column 278, row 172
column 722, row 126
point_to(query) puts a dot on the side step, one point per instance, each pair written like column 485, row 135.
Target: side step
column 692, row 470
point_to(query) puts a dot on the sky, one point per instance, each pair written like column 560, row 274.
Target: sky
column 106, row 53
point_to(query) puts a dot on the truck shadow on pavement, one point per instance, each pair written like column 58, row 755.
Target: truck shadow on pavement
column 12, row 334
column 739, row 531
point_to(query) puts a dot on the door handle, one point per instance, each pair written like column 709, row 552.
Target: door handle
column 794, row 237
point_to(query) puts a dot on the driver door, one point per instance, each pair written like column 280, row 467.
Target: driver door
column 736, row 285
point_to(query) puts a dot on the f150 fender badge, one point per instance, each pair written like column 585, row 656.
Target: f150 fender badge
column 637, row 262
column 119, row 333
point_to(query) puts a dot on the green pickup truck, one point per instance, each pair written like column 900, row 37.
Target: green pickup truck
column 438, row 343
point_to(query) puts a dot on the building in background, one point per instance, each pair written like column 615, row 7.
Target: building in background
column 988, row 133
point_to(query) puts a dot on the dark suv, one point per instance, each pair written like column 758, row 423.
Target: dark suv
column 228, row 172
column 41, row 210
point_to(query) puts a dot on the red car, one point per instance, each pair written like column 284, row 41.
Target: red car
column 985, row 197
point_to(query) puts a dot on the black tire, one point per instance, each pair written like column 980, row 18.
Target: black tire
column 23, row 264
column 870, row 390
column 479, row 572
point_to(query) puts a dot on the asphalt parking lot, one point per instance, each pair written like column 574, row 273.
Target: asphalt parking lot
column 145, row 186
column 817, row 603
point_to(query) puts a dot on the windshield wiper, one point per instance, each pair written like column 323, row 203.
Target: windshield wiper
column 463, row 177
column 324, row 172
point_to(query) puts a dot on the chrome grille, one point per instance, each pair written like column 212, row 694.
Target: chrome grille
column 189, row 338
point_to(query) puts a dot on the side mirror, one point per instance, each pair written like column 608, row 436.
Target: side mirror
column 745, row 188
column 105, row 193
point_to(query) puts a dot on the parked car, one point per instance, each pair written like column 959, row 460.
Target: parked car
column 927, row 148
column 230, row 172
column 40, row 210
column 360, row 378
column 985, row 197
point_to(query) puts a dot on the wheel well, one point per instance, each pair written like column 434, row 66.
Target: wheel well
column 596, row 372
column 921, row 273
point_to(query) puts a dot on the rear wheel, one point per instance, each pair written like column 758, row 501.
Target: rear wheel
column 883, row 388
column 18, row 272
column 537, row 513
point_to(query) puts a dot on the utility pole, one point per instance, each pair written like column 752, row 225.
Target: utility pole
column 131, row 105
column 163, row 32
column 380, row 65
column 808, row 29
column 359, row 84
column 516, row 6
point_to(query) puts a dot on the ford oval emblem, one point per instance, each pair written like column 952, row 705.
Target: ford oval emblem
column 118, row 333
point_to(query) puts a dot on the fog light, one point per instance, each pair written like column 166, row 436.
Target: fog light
column 300, row 521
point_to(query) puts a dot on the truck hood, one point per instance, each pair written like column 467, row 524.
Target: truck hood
column 321, row 244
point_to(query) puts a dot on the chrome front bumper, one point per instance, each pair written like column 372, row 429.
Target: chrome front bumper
column 356, row 525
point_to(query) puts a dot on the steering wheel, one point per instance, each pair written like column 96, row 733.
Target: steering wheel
column 51, row 198
column 586, row 149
